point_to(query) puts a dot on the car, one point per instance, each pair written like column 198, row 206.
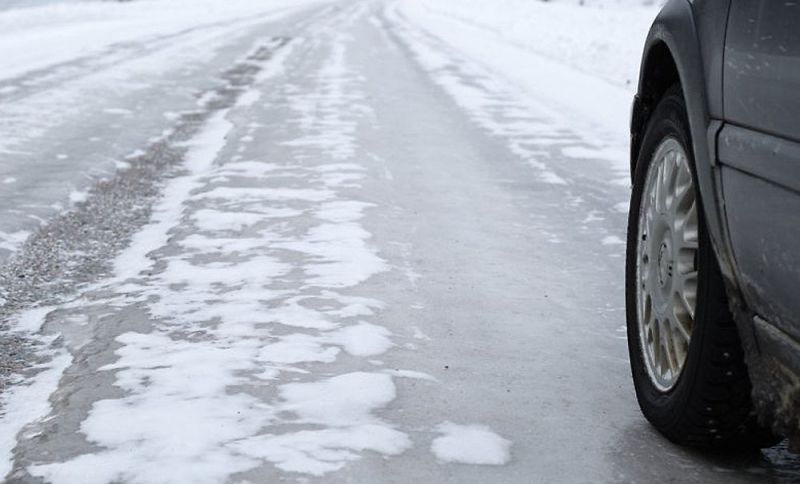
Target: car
column 713, row 248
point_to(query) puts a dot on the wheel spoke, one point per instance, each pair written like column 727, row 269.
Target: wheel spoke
column 683, row 317
column 670, row 178
column 685, row 226
column 657, row 345
column 661, row 192
column 683, row 322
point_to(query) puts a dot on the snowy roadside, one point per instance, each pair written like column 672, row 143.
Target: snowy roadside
column 603, row 40
column 41, row 37
column 84, row 86
column 581, row 62
column 15, row 4
column 41, row 279
column 27, row 391
column 569, row 125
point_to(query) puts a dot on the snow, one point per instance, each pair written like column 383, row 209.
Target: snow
column 200, row 157
column 577, row 64
column 612, row 240
column 41, row 37
column 363, row 339
column 326, row 110
column 176, row 412
column 345, row 405
column 343, row 400
column 31, row 320
column 249, row 279
column 245, row 327
column 248, row 194
column 292, row 313
column 318, row 452
column 602, row 39
column 27, row 400
column 341, row 250
column 171, row 383
column 11, row 241
column 209, row 219
column 72, row 68
column 416, row 375
column 78, row 196
column 470, row 444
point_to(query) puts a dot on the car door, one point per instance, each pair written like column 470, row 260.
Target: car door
column 759, row 153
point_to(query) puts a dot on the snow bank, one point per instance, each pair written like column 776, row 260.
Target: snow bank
column 582, row 59
column 603, row 40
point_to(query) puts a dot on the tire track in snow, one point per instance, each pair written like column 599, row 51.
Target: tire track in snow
column 243, row 338
column 238, row 323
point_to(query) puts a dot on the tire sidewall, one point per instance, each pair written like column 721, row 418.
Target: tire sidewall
column 664, row 409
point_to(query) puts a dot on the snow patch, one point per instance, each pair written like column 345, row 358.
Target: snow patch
column 26, row 402
column 31, row 320
column 344, row 405
column 203, row 150
column 612, row 240
column 470, row 444
column 11, row 241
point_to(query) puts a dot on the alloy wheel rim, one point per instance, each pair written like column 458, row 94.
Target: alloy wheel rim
column 666, row 268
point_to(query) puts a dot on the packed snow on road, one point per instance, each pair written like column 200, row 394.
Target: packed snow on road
column 320, row 241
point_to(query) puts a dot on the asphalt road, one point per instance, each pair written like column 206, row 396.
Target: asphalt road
column 331, row 271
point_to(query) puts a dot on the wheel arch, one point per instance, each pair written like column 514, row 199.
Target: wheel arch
column 658, row 73
column 682, row 48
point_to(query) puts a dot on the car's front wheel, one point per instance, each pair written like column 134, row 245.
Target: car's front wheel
column 686, row 357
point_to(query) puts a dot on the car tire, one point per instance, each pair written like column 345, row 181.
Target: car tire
column 705, row 402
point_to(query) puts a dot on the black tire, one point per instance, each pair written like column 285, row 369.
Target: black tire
column 710, row 405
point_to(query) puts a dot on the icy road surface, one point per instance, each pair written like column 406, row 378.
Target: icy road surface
column 337, row 243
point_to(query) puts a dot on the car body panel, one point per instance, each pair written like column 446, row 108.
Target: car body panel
column 762, row 67
column 760, row 150
column 762, row 219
